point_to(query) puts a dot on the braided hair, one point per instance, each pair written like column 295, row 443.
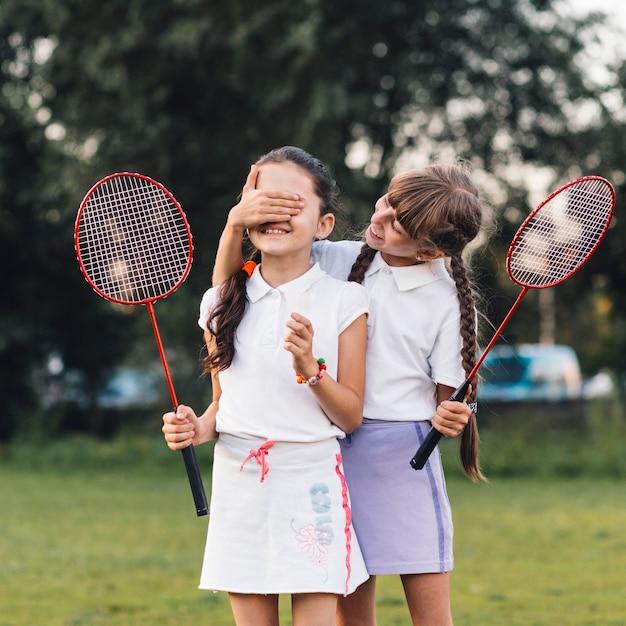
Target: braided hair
column 439, row 207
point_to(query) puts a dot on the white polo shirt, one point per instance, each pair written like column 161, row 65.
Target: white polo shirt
column 414, row 332
column 260, row 395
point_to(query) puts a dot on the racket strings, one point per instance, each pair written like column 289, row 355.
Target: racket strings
column 133, row 240
column 561, row 235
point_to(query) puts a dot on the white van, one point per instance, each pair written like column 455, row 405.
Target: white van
column 532, row 372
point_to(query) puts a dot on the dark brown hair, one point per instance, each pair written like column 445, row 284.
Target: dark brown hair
column 227, row 314
column 439, row 207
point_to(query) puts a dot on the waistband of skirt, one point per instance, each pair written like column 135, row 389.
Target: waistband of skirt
column 282, row 452
column 378, row 422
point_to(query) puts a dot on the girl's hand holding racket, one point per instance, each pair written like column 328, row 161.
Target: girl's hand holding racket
column 183, row 428
column 179, row 428
column 451, row 418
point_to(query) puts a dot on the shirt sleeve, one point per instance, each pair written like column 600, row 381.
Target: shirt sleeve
column 336, row 258
column 354, row 302
column 445, row 359
column 209, row 300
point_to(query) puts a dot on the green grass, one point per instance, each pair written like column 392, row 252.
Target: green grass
column 539, row 552
column 99, row 533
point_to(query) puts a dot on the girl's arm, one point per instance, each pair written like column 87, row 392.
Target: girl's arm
column 450, row 417
column 341, row 399
column 255, row 207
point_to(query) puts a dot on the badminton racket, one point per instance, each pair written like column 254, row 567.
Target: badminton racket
column 134, row 246
column 552, row 243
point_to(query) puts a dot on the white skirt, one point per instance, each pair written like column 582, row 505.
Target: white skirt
column 280, row 520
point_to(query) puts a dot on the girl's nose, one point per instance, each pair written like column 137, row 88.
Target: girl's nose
column 383, row 213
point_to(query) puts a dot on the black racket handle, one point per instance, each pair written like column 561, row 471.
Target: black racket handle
column 195, row 480
column 433, row 437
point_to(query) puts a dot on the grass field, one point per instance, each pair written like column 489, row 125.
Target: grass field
column 116, row 541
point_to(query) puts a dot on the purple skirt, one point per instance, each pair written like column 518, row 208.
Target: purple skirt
column 401, row 516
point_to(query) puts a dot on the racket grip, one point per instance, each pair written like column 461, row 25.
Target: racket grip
column 433, row 437
column 195, row 480
column 425, row 450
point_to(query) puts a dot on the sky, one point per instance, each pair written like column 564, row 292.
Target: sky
column 613, row 45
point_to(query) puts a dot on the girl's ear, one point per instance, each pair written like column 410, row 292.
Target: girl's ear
column 431, row 255
column 325, row 226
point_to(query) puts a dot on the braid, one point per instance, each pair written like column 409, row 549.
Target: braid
column 363, row 261
column 440, row 207
column 470, row 439
column 468, row 319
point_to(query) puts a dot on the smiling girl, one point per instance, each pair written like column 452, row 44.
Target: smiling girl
column 286, row 354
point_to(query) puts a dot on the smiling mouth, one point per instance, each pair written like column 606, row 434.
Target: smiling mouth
column 267, row 230
column 374, row 234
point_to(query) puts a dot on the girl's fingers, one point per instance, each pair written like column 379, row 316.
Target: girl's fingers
column 176, row 439
column 300, row 326
column 451, row 418
column 296, row 345
column 178, row 427
column 297, row 320
column 299, row 340
column 258, row 207
column 251, row 179
column 277, row 210
column 177, row 433
column 172, row 419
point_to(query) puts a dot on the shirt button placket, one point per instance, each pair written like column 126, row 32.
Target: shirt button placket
column 272, row 325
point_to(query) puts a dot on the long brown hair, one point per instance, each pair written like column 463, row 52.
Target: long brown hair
column 226, row 316
column 440, row 207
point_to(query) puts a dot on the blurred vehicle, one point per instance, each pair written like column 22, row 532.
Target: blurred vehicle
column 602, row 385
column 130, row 388
column 530, row 372
column 126, row 388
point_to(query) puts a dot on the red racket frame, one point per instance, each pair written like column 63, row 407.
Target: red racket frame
column 432, row 439
column 189, row 455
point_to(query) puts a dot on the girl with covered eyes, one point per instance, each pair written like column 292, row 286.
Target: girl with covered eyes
column 286, row 355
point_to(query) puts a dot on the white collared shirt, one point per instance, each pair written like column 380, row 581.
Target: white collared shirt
column 414, row 333
column 260, row 395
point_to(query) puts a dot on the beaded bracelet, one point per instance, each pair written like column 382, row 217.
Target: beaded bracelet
column 313, row 380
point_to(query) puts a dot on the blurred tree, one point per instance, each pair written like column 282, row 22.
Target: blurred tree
column 47, row 316
column 191, row 92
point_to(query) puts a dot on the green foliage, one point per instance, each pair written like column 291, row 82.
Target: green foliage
column 192, row 92
column 561, row 440
column 140, row 454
